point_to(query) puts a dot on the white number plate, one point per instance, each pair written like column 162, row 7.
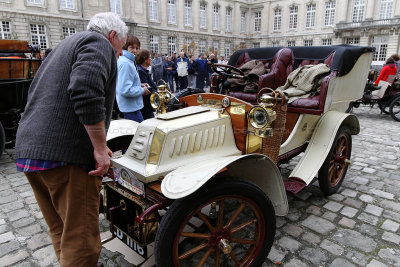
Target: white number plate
column 125, row 178
column 142, row 251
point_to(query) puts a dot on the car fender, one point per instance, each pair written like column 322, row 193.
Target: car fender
column 119, row 128
column 321, row 142
column 256, row 168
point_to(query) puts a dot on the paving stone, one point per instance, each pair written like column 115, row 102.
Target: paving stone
column 376, row 185
column 12, row 206
column 375, row 210
column 280, row 221
column 316, row 256
column 314, row 210
column 6, row 237
column 390, row 166
column 357, row 258
column 18, row 214
column 375, row 263
column 392, row 205
column 339, row 262
column 30, row 230
column 390, row 255
column 368, row 218
column 293, row 215
column 346, row 238
column 352, row 202
column 304, row 195
column 6, row 248
column 45, row 256
column 329, row 215
column 383, row 194
column 367, row 198
column 38, row 240
column 349, row 193
column 336, row 197
column 391, row 237
column 295, row 263
column 276, row 254
column 368, row 229
column 360, row 180
column 332, row 247
column 392, row 215
column 311, row 238
column 369, row 170
column 347, row 222
column 293, row 230
column 2, row 221
column 11, row 259
column 333, row 206
column 349, row 212
column 23, row 222
column 4, row 228
column 289, row 244
column 318, row 225
column 390, row 225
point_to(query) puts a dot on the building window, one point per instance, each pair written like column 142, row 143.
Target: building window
column 188, row 13
column 38, row 35
column 308, row 42
column 293, row 17
column 380, row 43
column 358, row 10
column 385, row 11
column 154, row 43
column 67, row 31
column 256, row 45
column 227, row 50
column 326, row 41
column 243, row 16
column 215, row 47
column 291, row 43
column 171, row 44
column 69, row 4
column 277, row 19
column 153, row 10
column 353, row 40
column 171, row 11
column 5, row 30
column 275, row 44
column 216, row 17
column 228, row 19
column 202, row 15
column 36, row 2
column 189, row 46
column 257, row 21
column 330, row 13
column 115, row 6
column 202, row 46
column 310, row 16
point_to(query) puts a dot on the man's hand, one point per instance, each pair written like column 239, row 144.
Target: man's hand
column 102, row 159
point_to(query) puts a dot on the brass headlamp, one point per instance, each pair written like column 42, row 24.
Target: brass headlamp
column 159, row 99
column 261, row 116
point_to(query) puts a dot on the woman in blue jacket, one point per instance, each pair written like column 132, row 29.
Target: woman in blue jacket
column 129, row 88
column 143, row 61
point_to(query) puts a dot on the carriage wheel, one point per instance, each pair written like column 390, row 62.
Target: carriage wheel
column 384, row 107
column 394, row 109
column 229, row 222
column 333, row 170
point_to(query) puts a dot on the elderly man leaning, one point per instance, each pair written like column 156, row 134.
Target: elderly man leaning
column 61, row 139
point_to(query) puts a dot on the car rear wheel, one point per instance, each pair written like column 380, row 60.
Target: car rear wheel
column 334, row 168
column 384, row 107
column 394, row 109
column 229, row 222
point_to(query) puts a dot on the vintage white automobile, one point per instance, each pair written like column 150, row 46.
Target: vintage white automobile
column 203, row 182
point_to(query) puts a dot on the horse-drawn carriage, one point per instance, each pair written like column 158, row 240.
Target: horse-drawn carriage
column 17, row 69
column 203, row 182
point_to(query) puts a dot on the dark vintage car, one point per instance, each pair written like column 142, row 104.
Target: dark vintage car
column 203, row 182
column 17, row 69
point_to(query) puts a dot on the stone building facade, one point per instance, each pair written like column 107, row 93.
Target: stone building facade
column 219, row 26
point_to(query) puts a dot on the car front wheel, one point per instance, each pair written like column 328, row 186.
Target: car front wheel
column 334, row 168
column 228, row 222
column 394, row 109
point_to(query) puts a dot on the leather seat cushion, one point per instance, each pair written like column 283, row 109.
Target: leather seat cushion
column 248, row 97
column 309, row 102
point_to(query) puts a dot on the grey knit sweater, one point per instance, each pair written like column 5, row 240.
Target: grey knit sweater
column 74, row 86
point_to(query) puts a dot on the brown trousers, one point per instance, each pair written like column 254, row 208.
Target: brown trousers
column 69, row 200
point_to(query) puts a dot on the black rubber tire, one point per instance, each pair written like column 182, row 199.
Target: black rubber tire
column 218, row 187
column 384, row 107
column 394, row 108
column 120, row 143
column 2, row 139
column 323, row 175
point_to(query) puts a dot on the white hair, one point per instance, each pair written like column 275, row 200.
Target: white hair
column 106, row 22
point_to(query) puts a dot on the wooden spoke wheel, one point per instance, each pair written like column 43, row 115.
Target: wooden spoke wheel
column 333, row 170
column 230, row 222
column 394, row 108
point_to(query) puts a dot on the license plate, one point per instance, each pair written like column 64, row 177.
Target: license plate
column 142, row 251
column 126, row 178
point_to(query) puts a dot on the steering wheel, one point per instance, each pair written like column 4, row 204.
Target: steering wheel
column 227, row 71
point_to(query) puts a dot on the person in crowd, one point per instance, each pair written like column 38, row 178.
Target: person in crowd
column 202, row 73
column 174, row 59
column 143, row 62
column 170, row 69
column 396, row 59
column 192, row 72
column 157, row 68
column 61, row 138
column 129, row 89
column 212, row 60
column 182, row 69
column 46, row 53
column 221, row 60
column 389, row 69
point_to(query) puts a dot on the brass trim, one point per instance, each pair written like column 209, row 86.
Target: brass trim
column 155, row 151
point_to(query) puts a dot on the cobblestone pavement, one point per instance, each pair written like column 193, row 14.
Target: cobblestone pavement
column 358, row 226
